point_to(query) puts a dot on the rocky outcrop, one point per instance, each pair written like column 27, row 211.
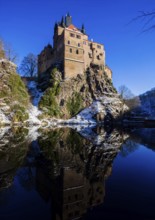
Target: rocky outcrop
column 66, row 98
column 13, row 94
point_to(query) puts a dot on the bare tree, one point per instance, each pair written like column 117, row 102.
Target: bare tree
column 128, row 97
column 10, row 53
column 7, row 51
column 2, row 53
column 125, row 92
column 28, row 66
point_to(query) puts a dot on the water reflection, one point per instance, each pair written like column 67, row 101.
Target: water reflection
column 13, row 149
column 72, row 170
column 65, row 168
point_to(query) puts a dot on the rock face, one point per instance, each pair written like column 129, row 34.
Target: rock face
column 13, row 94
column 65, row 99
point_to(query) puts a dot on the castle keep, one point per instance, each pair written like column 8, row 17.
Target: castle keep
column 72, row 50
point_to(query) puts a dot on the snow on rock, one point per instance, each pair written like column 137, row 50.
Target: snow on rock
column 33, row 115
column 4, row 119
column 103, row 105
column 33, row 133
column 36, row 94
column 3, row 131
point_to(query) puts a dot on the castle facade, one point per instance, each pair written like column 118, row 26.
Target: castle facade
column 72, row 50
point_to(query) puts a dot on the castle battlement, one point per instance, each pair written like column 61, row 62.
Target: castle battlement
column 72, row 50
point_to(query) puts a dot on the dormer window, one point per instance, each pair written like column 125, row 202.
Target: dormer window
column 72, row 35
column 78, row 36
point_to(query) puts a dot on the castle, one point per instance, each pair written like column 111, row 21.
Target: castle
column 72, row 50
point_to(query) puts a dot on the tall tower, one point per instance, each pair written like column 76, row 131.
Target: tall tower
column 68, row 20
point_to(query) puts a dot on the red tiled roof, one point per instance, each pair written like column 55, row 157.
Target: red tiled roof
column 72, row 27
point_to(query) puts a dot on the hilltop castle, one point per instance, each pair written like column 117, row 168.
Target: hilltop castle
column 72, row 50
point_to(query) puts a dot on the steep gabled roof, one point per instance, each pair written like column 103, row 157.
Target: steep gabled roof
column 72, row 27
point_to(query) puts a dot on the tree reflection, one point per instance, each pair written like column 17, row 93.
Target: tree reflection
column 71, row 170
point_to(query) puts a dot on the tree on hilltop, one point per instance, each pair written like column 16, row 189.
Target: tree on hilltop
column 7, row 51
column 28, row 66
column 128, row 97
column 10, row 53
column 2, row 53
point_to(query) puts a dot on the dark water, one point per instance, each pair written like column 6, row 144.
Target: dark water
column 65, row 174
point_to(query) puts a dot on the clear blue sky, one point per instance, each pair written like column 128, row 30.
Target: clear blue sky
column 28, row 26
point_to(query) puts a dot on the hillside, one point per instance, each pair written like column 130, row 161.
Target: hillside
column 147, row 100
column 14, row 98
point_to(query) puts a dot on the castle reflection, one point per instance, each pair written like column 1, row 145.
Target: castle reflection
column 71, row 170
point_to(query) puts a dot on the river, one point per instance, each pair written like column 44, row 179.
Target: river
column 80, row 173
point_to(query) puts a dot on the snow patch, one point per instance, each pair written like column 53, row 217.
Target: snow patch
column 33, row 115
column 4, row 119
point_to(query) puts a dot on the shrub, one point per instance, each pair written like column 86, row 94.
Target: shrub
column 74, row 104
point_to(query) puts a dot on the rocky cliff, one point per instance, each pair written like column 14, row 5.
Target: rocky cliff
column 14, row 98
column 66, row 98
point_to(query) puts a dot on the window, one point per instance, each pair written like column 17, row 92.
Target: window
column 77, row 51
column 98, row 57
column 78, row 44
column 68, row 41
column 72, row 35
column 98, row 46
column 84, row 42
column 78, row 36
column 90, row 55
column 70, row 50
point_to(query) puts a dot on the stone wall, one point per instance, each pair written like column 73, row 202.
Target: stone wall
column 72, row 49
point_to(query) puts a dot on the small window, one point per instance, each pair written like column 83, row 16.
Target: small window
column 78, row 36
column 72, row 35
column 77, row 51
column 68, row 41
column 90, row 55
column 98, row 46
column 70, row 50
column 78, row 44
column 98, row 57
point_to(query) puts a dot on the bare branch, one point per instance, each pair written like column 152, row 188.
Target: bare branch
column 147, row 18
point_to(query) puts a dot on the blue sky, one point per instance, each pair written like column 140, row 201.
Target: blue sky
column 28, row 26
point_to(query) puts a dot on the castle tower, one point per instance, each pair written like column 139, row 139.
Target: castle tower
column 68, row 20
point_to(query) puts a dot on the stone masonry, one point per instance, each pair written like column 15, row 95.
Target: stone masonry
column 72, row 50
